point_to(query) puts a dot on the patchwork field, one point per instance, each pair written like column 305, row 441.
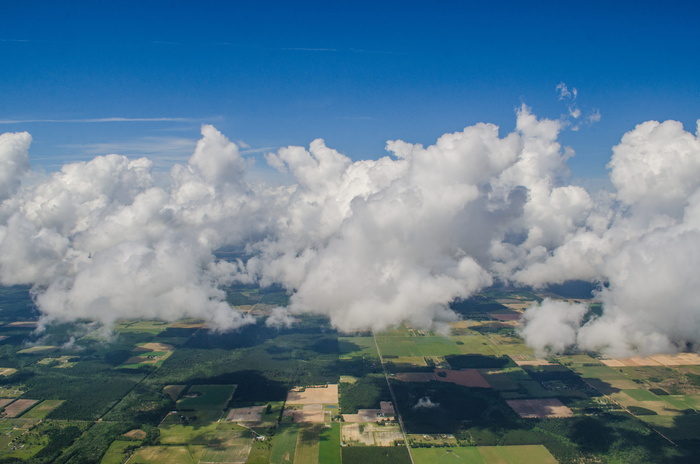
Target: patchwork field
column 370, row 434
column 148, row 354
column 475, row 395
column 41, row 410
column 17, row 407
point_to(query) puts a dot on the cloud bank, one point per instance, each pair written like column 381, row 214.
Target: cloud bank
column 370, row 243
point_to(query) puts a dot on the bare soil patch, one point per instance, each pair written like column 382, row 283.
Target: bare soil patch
column 18, row 407
column 174, row 391
column 387, row 438
column 250, row 414
column 466, row 377
column 543, row 408
column 356, row 433
column 521, row 360
column 314, row 395
column 363, row 415
column 5, row 401
column 678, row 359
column 22, row 324
column 154, row 347
column 310, row 413
column 137, row 434
column 415, row 376
column 38, row 349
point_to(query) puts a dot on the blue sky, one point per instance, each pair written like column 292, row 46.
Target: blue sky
column 356, row 74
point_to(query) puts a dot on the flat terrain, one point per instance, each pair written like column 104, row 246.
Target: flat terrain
column 314, row 395
column 158, row 391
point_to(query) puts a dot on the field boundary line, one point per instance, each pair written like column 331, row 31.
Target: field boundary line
column 393, row 398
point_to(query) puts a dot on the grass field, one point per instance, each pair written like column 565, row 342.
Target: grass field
column 474, row 344
column 41, row 410
column 682, row 401
column 13, row 428
column 357, row 347
column 642, row 395
column 284, row 444
column 162, row 454
column 209, row 397
column 526, row 454
column 329, row 447
column 151, row 327
column 676, row 427
column 457, row 455
column 116, row 453
column 10, row 392
column 308, row 444
column 398, row 346
column 436, row 346
column 211, row 434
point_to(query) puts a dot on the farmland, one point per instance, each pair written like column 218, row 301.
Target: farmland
column 178, row 392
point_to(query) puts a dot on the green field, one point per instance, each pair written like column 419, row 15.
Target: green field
column 375, row 455
column 398, row 346
column 457, row 455
column 527, row 454
column 329, row 450
column 210, row 434
column 208, row 397
column 642, row 395
column 284, row 445
column 474, row 344
column 435, row 346
column 15, row 431
column 116, row 454
column 676, row 427
column 308, row 444
column 682, row 401
column 357, row 347
column 139, row 326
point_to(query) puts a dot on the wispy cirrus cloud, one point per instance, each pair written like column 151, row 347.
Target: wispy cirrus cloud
column 163, row 151
column 94, row 120
column 301, row 49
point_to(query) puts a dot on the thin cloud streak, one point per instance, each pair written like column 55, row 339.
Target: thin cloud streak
column 94, row 120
